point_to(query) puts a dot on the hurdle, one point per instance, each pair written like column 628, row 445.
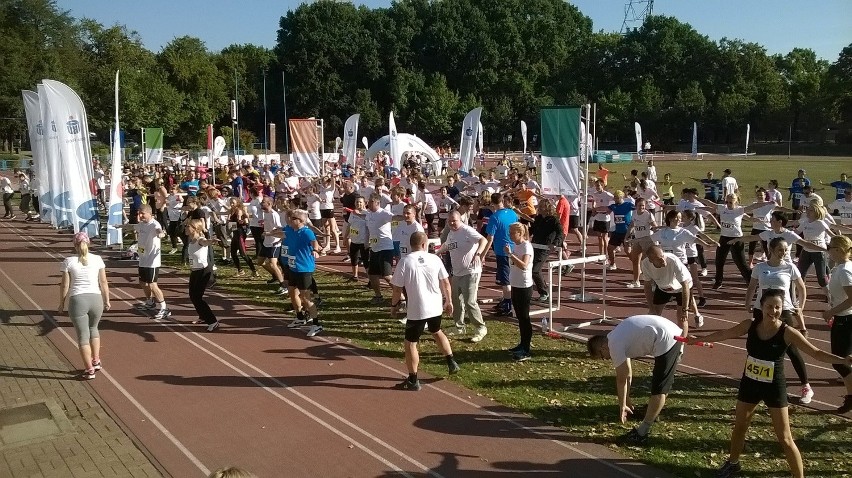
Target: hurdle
column 548, row 327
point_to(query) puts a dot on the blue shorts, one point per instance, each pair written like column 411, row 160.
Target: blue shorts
column 502, row 270
column 396, row 251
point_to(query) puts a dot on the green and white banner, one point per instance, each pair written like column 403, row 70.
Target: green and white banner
column 560, row 151
column 153, row 139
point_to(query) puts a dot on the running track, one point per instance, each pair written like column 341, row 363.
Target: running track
column 261, row 396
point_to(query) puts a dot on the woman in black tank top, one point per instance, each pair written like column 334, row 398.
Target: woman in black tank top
column 763, row 377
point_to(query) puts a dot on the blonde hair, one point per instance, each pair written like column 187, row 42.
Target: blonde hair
column 198, row 225
column 843, row 243
column 815, row 201
column 819, row 211
column 524, row 230
column 231, row 472
column 83, row 253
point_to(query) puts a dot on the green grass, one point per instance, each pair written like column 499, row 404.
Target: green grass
column 564, row 388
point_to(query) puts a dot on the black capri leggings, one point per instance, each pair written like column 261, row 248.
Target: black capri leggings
column 257, row 234
column 238, row 248
column 818, row 260
column 737, row 254
column 173, row 233
column 521, row 298
column 841, row 341
column 539, row 256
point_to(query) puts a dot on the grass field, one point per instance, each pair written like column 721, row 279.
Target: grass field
column 562, row 387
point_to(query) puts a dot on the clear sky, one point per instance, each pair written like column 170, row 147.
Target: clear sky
column 824, row 26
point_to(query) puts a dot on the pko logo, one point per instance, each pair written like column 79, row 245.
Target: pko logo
column 73, row 125
column 40, row 129
column 468, row 132
column 393, row 133
column 350, row 133
column 53, row 126
column 549, row 165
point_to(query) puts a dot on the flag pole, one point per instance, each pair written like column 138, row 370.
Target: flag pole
column 286, row 121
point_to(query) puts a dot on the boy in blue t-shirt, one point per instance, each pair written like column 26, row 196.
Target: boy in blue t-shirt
column 622, row 213
column 497, row 232
column 303, row 249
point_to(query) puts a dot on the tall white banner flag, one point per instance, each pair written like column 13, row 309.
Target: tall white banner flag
column 470, row 125
column 694, row 139
column 748, row 132
column 350, row 139
column 75, row 153
column 395, row 153
column 524, row 135
column 116, row 186
column 36, row 132
column 479, row 139
column 54, row 187
column 638, row 130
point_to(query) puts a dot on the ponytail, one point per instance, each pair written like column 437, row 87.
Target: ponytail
column 83, row 252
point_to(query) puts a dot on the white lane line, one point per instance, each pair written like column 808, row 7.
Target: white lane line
column 259, row 384
column 177, row 443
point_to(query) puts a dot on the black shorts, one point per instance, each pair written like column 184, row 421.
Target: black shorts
column 601, row 227
column 665, row 365
column 381, row 263
column 358, row 252
column 148, row 275
column 691, row 260
column 300, row 280
column 285, row 268
column 414, row 328
column 573, row 222
column 270, row 252
column 616, row 238
column 317, row 223
column 662, row 297
column 326, row 213
column 773, row 394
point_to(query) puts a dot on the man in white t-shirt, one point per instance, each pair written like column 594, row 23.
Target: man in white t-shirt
column 666, row 278
column 729, row 184
column 426, row 285
column 843, row 208
column 634, row 337
column 149, row 232
column 466, row 248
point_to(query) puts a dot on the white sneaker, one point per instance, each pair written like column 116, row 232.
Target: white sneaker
column 699, row 321
column 479, row 335
column 337, row 250
column 634, row 284
column 458, row 331
column 314, row 330
column 703, row 272
column 807, row 394
column 297, row 322
column 545, row 325
column 403, row 320
column 613, row 267
column 162, row 314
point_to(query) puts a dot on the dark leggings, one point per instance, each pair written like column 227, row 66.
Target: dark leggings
column 701, row 260
column 173, row 232
column 818, row 260
column 7, row 203
column 257, row 234
column 841, row 341
column 539, row 256
column 753, row 244
column 198, row 281
column 521, row 298
column 238, row 248
column 430, row 222
column 737, row 251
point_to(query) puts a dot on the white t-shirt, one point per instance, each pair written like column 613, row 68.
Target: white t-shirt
column 197, row 255
column 674, row 241
column 642, row 224
column 174, row 203
column 100, row 177
column 149, row 243
column 421, row 274
column 602, row 199
column 691, row 249
column 6, row 185
column 326, row 195
column 357, row 229
column 841, row 276
column 254, row 212
column 814, row 231
column 843, row 207
column 521, row 278
column 775, row 196
column 762, row 216
column 313, row 203
column 83, row 279
column 429, row 205
column 641, row 335
column 462, row 245
column 781, row 277
column 668, row 278
column 403, row 233
column 729, row 186
column 731, row 220
column 379, row 230
column 789, row 236
column 271, row 222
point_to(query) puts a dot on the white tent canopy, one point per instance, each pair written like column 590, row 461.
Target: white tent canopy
column 407, row 143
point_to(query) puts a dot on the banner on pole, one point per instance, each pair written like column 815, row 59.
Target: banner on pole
column 350, row 139
column 524, row 136
column 469, row 134
column 36, row 133
column 560, row 151
column 748, row 132
column 694, row 139
column 304, row 154
column 638, row 129
column 153, row 145
column 395, row 154
column 77, row 198
column 115, row 214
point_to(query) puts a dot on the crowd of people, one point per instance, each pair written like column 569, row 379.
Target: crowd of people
column 384, row 223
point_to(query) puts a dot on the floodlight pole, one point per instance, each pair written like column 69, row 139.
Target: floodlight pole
column 286, row 121
column 265, row 125
column 236, row 115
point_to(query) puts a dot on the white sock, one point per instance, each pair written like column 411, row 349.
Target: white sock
column 162, row 305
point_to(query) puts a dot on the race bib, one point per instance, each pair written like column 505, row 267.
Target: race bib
column 232, row 225
column 353, row 231
column 619, row 219
column 442, row 215
column 846, row 215
column 394, row 224
column 759, row 370
column 193, row 263
column 727, row 225
column 797, row 196
column 818, row 242
column 403, row 250
column 669, row 250
column 374, row 241
column 285, row 251
column 640, row 228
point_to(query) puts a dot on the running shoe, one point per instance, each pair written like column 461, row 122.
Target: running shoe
column 847, row 405
column 88, row 374
column 337, row 250
column 699, row 321
column 633, row 438
column 703, row 273
column 702, row 302
column 729, row 469
column 516, row 349
column 318, row 301
column 567, row 269
column 453, row 367
column 96, row 365
column 346, row 259
column 377, row 300
column 144, row 306
column 314, row 330
column 458, row 331
column 717, row 285
column 504, row 312
column 213, row 326
column 298, row 322
column 281, row 291
column 162, row 314
column 272, row 281
column 634, row 284
column 521, row 356
column 407, row 385
column 544, row 299
column 500, row 305
column 612, row 268
column 479, row 335
column 173, row 252
column 807, row 394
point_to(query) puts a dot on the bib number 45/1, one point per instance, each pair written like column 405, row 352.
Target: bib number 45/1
column 759, row 370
